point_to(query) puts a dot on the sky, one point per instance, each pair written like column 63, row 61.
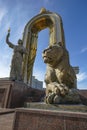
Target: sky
column 16, row 14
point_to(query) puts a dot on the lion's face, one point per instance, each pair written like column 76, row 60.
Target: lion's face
column 52, row 54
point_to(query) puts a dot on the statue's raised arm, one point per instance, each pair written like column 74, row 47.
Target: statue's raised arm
column 7, row 40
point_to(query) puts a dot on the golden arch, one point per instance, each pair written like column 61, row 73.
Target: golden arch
column 43, row 20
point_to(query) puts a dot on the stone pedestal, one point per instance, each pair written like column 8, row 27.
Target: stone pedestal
column 38, row 119
column 12, row 93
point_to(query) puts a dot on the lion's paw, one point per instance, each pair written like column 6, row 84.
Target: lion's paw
column 49, row 98
column 56, row 99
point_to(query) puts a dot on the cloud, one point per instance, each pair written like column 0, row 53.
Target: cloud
column 81, row 76
column 5, row 58
column 4, row 73
column 39, row 75
column 4, row 22
column 4, row 30
column 82, row 85
column 84, row 50
column 4, row 70
column 2, row 14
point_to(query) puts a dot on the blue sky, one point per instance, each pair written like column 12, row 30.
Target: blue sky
column 15, row 14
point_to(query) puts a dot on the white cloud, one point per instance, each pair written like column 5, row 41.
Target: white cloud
column 39, row 75
column 4, row 73
column 2, row 14
column 5, row 61
column 4, row 30
column 84, row 50
column 4, row 70
column 81, row 76
column 18, row 34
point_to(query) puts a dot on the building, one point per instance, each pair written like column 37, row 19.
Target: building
column 36, row 83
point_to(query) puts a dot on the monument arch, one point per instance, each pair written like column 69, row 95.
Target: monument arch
column 44, row 19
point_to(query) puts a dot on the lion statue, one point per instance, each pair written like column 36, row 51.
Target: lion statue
column 60, row 77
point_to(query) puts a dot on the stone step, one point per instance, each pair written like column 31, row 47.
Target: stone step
column 5, row 82
column 6, row 121
column 6, row 118
column 39, row 119
column 57, row 107
column 6, row 111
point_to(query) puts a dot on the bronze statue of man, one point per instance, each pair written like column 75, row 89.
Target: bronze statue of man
column 16, row 63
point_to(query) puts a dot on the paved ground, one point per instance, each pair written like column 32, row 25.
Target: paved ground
column 6, row 119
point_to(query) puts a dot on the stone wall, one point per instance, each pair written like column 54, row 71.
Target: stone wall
column 35, row 119
column 12, row 94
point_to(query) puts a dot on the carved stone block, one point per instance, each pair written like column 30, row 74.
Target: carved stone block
column 35, row 119
column 12, row 94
